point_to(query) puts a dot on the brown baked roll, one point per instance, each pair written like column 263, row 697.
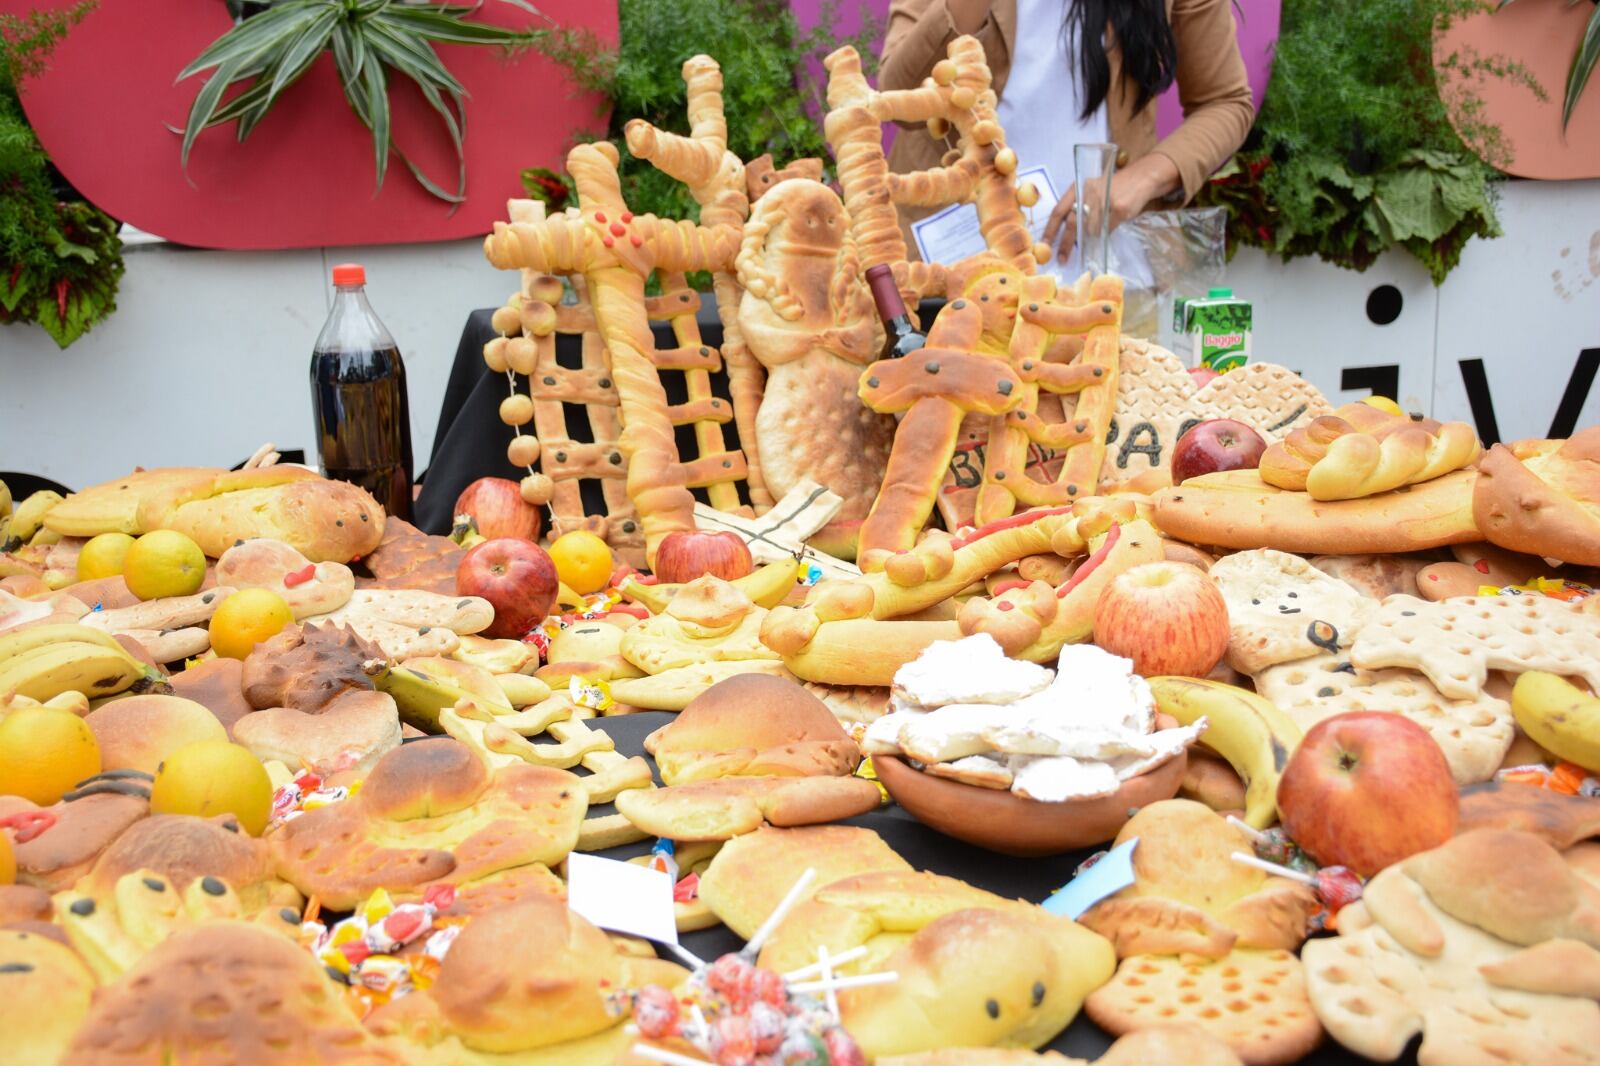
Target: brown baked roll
column 1542, row 497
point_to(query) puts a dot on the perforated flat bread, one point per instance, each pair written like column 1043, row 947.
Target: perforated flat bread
column 1253, row 1001
column 1281, row 608
column 1157, row 400
column 1401, row 966
column 1457, row 642
column 752, row 873
column 1474, row 734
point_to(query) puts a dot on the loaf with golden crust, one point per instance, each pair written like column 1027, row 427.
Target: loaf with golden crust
column 1361, row 451
column 1237, row 509
column 752, row 725
column 430, row 811
column 324, row 520
column 1542, row 497
column 226, row 993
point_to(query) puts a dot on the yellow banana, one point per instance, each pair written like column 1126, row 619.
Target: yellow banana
column 1559, row 717
column 5, row 501
column 420, row 697
column 766, row 586
column 1247, row 730
column 521, row 690
column 29, row 515
column 19, row 641
column 43, row 538
column 79, row 666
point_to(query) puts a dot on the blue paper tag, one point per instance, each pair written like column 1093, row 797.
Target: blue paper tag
column 1111, row 874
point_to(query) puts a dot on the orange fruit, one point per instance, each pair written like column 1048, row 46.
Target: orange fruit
column 583, row 561
column 8, row 860
column 44, row 753
column 212, row 777
column 164, row 563
column 103, row 556
column 245, row 619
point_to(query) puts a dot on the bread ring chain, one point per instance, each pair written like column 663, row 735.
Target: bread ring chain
column 1351, row 454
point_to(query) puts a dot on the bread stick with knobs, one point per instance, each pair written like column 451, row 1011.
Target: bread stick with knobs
column 716, row 180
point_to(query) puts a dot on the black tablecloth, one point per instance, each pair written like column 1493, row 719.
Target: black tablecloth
column 471, row 442
column 1030, row 879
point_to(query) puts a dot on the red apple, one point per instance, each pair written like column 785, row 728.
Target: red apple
column 1366, row 789
column 1168, row 617
column 692, row 553
column 1216, row 444
column 517, row 577
column 1202, row 374
column 496, row 504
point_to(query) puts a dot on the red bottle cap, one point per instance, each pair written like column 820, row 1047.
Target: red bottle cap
column 349, row 274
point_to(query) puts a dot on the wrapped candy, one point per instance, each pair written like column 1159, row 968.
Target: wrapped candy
column 364, row 950
column 1553, row 587
column 1567, row 778
column 595, row 695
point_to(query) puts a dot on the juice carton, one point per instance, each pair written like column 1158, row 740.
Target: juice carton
column 1218, row 328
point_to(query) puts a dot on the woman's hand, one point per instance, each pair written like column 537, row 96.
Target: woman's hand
column 1132, row 189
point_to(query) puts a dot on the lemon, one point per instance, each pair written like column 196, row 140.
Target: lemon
column 103, row 556
column 212, row 777
column 164, row 563
column 1384, row 404
column 583, row 561
column 245, row 619
column 44, row 753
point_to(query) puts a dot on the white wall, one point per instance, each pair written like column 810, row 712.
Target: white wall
column 206, row 356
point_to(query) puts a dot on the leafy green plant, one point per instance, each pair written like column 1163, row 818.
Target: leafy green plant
column 60, row 262
column 1583, row 61
column 771, row 96
column 372, row 41
column 1354, row 153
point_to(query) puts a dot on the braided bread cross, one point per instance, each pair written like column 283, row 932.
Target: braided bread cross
column 1092, row 309
column 936, row 387
column 958, row 97
column 616, row 251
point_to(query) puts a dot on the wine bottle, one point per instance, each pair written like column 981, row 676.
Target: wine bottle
column 358, row 397
column 901, row 337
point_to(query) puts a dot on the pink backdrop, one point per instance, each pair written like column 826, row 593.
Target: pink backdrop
column 1258, row 29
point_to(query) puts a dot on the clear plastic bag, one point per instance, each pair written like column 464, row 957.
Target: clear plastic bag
column 1161, row 254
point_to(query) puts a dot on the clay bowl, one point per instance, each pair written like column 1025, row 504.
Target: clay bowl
column 1000, row 820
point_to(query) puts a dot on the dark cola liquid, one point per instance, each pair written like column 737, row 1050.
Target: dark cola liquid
column 364, row 422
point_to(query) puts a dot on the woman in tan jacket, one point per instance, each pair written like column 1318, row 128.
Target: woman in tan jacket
column 1079, row 71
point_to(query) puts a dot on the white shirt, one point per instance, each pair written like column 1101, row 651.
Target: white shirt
column 1041, row 112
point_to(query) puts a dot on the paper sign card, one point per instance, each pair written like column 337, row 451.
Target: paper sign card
column 951, row 235
column 622, row 897
column 1113, row 873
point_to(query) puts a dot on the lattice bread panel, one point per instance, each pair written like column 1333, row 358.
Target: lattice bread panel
column 713, row 466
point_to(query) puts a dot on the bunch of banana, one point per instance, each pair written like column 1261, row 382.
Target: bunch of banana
column 1247, row 730
column 43, row 662
column 1559, row 717
column 25, row 524
column 766, row 586
column 425, row 685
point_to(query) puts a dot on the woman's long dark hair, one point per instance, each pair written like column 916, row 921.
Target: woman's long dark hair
column 1141, row 30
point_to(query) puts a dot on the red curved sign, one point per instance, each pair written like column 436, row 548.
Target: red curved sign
column 106, row 107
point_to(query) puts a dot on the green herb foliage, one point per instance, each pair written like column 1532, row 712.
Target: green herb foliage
column 59, row 262
column 772, row 101
column 1353, row 152
column 372, row 42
